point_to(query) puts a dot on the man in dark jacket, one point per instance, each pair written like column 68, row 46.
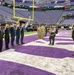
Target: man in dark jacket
column 7, row 38
column 12, row 31
column 22, row 33
column 1, row 39
column 17, row 34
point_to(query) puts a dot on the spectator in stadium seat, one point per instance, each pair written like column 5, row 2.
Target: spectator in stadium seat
column 73, row 32
column 7, row 37
column 12, row 31
column 17, row 34
column 1, row 38
column 52, row 35
column 22, row 33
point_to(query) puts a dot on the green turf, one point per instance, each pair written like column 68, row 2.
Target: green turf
column 30, row 32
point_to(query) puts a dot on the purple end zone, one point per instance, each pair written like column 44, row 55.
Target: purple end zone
column 45, row 51
column 11, row 68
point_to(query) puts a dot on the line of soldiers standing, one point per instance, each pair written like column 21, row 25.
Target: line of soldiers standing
column 14, row 31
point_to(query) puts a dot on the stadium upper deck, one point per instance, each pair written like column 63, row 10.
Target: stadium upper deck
column 45, row 17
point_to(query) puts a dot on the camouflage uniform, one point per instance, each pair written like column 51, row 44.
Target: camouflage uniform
column 39, row 32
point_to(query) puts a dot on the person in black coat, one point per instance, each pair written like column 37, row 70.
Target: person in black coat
column 22, row 33
column 73, row 32
column 17, row 34
column 12, row 31
column 7, row 37
column 1, row 38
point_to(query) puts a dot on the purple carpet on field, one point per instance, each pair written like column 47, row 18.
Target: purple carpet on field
column 65, row 43
column 64, row 36
column 31, row 38
column 58, row 39
column 45, row 51
column 10, row 68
